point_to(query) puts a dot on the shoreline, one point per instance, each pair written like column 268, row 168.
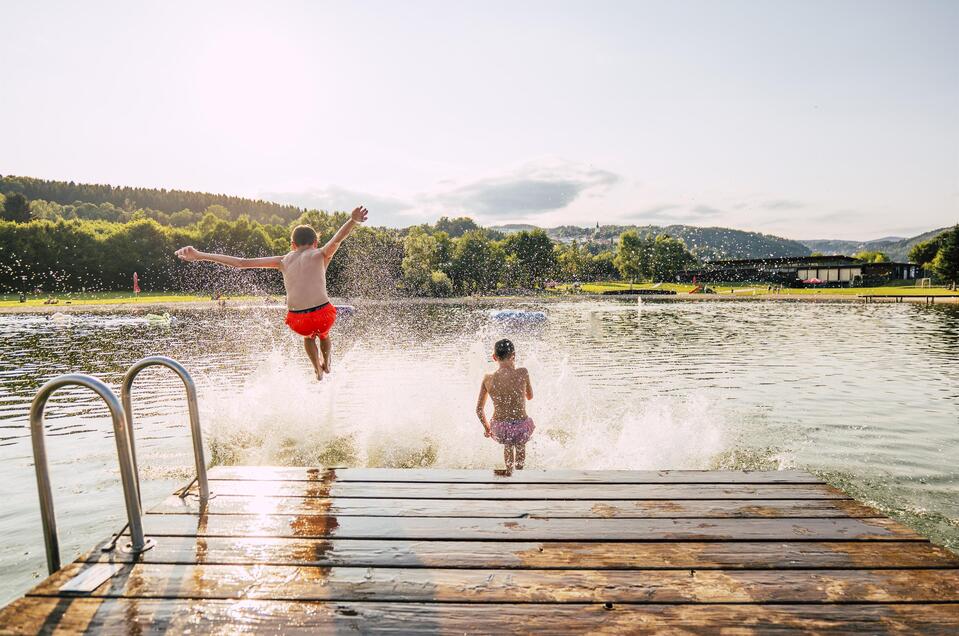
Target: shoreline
column 148, row 306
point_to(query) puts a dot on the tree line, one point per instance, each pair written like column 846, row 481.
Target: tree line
column 115, row 199
column 939, row 256
column 43, row 249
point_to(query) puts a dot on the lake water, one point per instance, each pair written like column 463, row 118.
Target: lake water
column 865, row 395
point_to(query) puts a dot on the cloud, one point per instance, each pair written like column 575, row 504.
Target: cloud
column 527, row 192
column 383, row 210
column 783, row 204
column 674, row 213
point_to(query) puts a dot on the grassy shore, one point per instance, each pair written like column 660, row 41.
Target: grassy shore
column 11, row 302
column 762, row 290
column 106, row 298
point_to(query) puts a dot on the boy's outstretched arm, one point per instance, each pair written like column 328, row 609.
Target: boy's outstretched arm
column 481, row 408
column 357, row 216
column 190, row 253
column 529, row 385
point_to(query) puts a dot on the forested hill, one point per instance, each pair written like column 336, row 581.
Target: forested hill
column 707, row 243
column 896, row 249
column 163, row 200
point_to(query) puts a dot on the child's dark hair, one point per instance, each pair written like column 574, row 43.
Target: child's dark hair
column 303, row 235
column 503, row 349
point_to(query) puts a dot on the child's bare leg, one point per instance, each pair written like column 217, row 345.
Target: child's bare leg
column 520, row 456
column 508, row 457
column 325, row 345
column 310, row 345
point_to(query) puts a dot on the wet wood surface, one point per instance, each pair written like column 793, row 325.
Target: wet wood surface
column 514, row 508
column 483, row 528
column 288, row 550
column 783, row 555
column 436, row 475
column 286, row 582
column 500, row 491
column 178, row 616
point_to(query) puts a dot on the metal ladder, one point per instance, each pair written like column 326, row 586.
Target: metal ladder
column 128, row 477
column 122, row 416
column 190, row 386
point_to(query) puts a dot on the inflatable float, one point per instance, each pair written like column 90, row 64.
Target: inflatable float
column 518, row 317
column 162, row 320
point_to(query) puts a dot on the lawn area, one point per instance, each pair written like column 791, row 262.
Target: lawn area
column 742, row 288
column 105, row 298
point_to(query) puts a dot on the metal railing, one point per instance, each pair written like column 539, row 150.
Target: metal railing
column 198, row 456
column 128, row 473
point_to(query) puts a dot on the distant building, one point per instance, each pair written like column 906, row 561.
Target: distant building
column 835, row 271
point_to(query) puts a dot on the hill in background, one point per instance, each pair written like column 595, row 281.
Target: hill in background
column 895, row 248
column 161, row 199
column 708, row 243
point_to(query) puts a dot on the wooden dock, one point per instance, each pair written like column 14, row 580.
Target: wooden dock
column 929, row 299
column 286, row 550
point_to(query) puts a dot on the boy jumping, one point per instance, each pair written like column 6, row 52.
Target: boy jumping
column 304, row 275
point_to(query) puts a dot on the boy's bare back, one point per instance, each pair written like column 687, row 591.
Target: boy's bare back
column 304, row 276
column 508, row 388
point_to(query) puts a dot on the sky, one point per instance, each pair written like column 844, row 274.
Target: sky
column 805, row 119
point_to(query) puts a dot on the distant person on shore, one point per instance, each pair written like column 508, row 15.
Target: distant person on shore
column 304, row 274
column 509, row 388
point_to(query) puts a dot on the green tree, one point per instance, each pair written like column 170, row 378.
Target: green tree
column 871, row 257
column 218, row 211
column 478, row 263
column 456, row 227
column 633, row 255
column 946, row 263
column 532, row 255
column 420, row 261
column 183, row 218
column 16, row 208
column 444, row 251
column 602, row 266
column 922, row 254
column 573, row 262
column 669, row 257
column 440, row 285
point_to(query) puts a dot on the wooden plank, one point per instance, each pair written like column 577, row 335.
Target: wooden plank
column 48, row 615
column 474, row 476
column 466, row 528
column 540, row 555
column 274, row 582
column 555, row 509
column 403, row 490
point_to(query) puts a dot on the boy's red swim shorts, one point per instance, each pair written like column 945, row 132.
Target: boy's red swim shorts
column 313, row 322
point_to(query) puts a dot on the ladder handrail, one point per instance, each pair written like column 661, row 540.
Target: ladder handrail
column 126, row 394
column 128, row 477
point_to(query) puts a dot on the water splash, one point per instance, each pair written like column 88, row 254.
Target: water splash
column 396, row 409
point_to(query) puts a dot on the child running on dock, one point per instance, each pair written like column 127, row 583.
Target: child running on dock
column 304, row 275
column 509, row 388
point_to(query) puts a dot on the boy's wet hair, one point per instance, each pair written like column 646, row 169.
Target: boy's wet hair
column 503, row 349
column 303, row 235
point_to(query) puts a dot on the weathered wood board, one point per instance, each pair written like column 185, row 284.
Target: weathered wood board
column 298, row 550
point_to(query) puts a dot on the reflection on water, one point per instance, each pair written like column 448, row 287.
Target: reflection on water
column 867, row 395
